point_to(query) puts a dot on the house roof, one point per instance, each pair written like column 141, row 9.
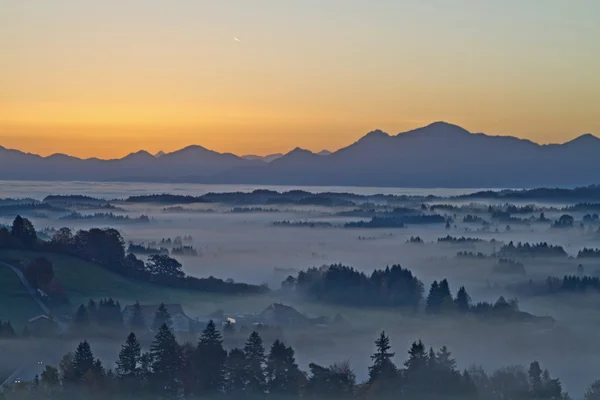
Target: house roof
column 281, row 313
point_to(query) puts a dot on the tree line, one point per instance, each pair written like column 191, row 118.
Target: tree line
column 106, row 247
column 206, row 369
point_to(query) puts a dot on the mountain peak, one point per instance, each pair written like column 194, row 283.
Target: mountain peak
column 376, row 133
column 436, row 129
column 142, row 154
column 159, row 154
column 585, row 138
column 299, row 150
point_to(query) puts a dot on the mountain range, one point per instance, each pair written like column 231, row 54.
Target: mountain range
column 437, row 155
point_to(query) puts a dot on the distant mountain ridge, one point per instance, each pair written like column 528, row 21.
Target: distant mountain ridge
column 437, row 155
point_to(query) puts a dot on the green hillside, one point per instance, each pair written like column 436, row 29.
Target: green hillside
column 16, row 305
column 83, row 280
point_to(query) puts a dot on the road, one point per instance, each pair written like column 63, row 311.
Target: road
column 34, row 293
column 28, row 371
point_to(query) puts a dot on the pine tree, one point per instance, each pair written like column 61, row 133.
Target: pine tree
column 161, row 317
column 283, row 374
column 445, row 297
column 83, row 360
column 128, row 362
column 137, row 322
column 254, row 353
column 444, row 360
column 166, row 364
column 235, row 373
column 210, row 361
column 416, row 370
column 535, row 379
column 383, row 368
column 463, row 300
column 433, row 303
column 81, row 321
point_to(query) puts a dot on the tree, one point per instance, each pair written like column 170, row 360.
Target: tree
column 283, row 374
column 383, row 368
column 129, row 359
column 104, row 246
column 83, row 360
column 161, row 317
column 254, row 353
column 136, row 322
column 463, row 300
column 166, row 364
column 67, row 371
column 235, row 375
column 50, row 377
column 416, row 369
column 39, row 272
column 445, row 297
column 593, row 391
column 63, row 239
column 24, row 232
column 535, row 379
column 81, row 322
column 336, row 382
column 210, row 361
column 163, row 265
column 433, row 303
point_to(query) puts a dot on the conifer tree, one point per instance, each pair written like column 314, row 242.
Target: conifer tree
column 445, row 297
column 463, row 300
column 210, row 361
column 128, row 362
column 235, row 375
column 254, row 353
column 433, row 303
column 166, row 364
column 136, row 322
column 83, row 360
column 383, row 368
column 162, row 317
column 416, row 370
column 283, row 374
column 81, row 321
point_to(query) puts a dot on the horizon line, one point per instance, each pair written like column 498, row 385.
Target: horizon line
column 143, row 151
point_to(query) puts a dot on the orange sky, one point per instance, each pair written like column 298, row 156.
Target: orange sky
column 107, row 78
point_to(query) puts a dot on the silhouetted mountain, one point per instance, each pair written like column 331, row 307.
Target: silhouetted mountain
column 437, row 155
column 191, row 161
column 324, row 153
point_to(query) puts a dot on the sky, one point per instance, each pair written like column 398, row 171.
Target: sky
column 105, row 78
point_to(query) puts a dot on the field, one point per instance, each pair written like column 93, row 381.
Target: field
column 83, row 281
column 16, row 305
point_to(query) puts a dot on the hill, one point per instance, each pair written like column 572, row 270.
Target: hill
column 83, row 280
column 437, row 155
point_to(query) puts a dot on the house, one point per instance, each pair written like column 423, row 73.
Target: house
column 181, row 322
column 42, row 326
column 280, row 314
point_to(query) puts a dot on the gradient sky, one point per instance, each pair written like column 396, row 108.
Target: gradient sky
column 104, row 78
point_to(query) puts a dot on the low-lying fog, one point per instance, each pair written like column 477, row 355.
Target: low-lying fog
column 247, row 247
